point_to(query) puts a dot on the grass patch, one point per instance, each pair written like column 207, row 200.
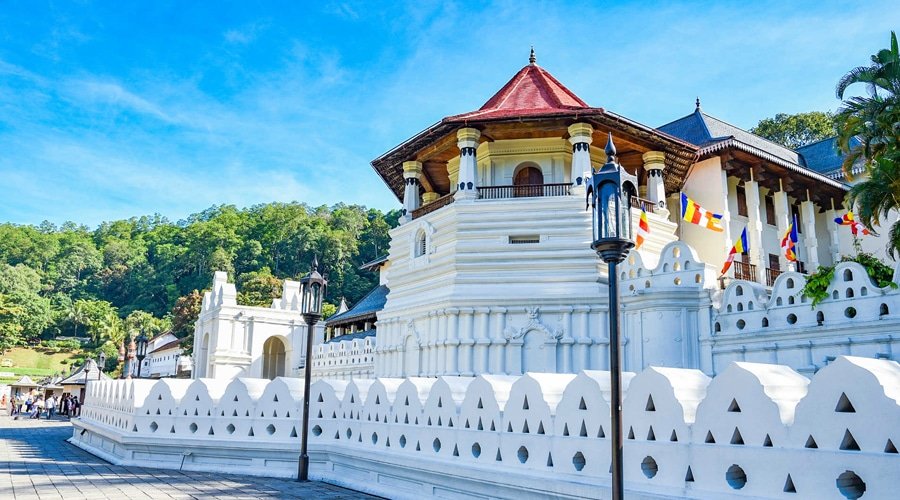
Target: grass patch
column 33, row 362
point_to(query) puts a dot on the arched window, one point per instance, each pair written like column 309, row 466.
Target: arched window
column 273, row 358
column 528, row 180
column 421, row 243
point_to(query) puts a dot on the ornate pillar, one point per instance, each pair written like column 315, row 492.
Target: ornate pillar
column 582, row 354
column 808, row 209
column 654, row 165
column 581, row 136
column 439, row 345
column 451, row 344
column 412, row 173
column 482, row 342
column 834, row 240
column 466, row 342
column 467, row 141
column 564, row 365
column 726, row 216
column 782, row 221
column 754, row 229
column 498, row 341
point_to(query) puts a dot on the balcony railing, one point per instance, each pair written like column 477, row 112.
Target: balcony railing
column 639, row 203
column 744, row 271
column 772, row 275
column 441, row 202
column 524, row 191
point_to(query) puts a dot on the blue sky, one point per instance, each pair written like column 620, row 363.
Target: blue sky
column 116, row 109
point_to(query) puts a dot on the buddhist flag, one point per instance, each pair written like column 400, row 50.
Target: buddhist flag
column 789, row 242
column 856, row 227
column 695, row 214
column 643, row 230
column 742, row 245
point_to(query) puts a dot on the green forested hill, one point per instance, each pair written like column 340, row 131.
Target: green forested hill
column 148, row 272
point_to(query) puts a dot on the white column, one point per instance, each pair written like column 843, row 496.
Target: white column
column 581, row 136
column 782, row 220
column 834, row 241
column 467, row 141
column 451, row 344
column 654, row 165
column 582, row 354
column 440, row 344
column 808, row 210
column 726, row 216
column 412, row 173
column 498, row 341
column 564, row 365
column 466, row 342
column 482, row 342
column 754, row 230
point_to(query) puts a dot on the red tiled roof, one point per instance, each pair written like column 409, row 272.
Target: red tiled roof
column 532, row 91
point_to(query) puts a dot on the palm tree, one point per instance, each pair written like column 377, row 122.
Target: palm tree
column 869, row 132
column 77, row 314
column 870, row 120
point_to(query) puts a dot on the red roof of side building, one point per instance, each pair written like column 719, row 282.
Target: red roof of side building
column 531, row 91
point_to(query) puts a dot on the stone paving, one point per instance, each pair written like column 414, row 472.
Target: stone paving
column 37, row 463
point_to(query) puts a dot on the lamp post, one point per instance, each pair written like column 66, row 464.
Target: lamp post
column 101, row 362
column 141, row 352
column 609, row 194
column 312, row 291
column 87, row 377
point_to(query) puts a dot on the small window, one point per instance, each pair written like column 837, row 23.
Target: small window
column 741, row 200
column 770, row 211
column 421, row 244
column 524, row 239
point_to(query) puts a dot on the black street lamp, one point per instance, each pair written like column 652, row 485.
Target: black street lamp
column 141, row 352
column 312, row 292
column 609, row 194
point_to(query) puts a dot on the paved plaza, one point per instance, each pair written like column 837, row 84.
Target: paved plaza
column 37, row 463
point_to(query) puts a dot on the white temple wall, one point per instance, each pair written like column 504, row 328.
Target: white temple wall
column 783, row 327
column 754, row 431
column 231, row 337
column 345, row 359
column 479, row 302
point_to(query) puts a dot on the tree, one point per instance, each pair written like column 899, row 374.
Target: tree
column 874, row 122
column 793, row 131
column 184, row 316
column 10, row 329
column 258, row 288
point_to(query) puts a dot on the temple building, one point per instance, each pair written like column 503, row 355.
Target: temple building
column 491, row 268
column 491, row 272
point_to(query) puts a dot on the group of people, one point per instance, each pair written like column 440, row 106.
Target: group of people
column 36, row 406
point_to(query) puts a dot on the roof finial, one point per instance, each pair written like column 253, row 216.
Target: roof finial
column 531, row 58
column 610, row 149
column 698, row 103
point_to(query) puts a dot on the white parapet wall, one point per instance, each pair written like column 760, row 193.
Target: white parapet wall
column 344, row 359
column 754, row 431
column 783, row 327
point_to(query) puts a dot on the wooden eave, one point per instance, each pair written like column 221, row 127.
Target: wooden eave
column 740, row 159
column 436, row 145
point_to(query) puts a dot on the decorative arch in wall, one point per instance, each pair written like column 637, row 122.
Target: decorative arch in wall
column 273, row 358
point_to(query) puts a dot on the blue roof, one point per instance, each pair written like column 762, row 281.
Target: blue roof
column 367, row 306
column 351, row 336
column 823, row 156
column 703, row 130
